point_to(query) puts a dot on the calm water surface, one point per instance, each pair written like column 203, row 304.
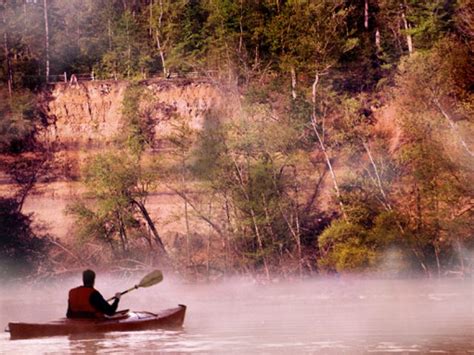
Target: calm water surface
column 338, row 316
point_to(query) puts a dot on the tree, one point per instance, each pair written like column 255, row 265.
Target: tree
column 21, row 249
column 436, row 152
column 252, row 164
column 119, row 187
column 46, row 38
column 182, row 33
column 310, row 37
column 183, row 138
column 165, row 16
column 128, row 56
column 119, row 183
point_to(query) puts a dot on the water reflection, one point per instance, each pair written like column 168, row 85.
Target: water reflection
column 87, row 343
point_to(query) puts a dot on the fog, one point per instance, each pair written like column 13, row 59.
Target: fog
column 339, row 315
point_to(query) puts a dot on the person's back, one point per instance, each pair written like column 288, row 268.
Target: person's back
column 86, row 302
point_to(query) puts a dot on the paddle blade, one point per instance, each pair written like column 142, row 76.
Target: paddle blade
column 151, row 279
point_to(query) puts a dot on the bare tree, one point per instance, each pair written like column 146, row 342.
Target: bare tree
column 407, row 27
column 7, row 52
column 46, row 35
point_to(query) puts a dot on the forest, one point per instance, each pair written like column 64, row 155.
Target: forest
column 352, row 149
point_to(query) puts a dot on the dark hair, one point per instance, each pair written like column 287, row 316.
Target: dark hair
column 88, row 277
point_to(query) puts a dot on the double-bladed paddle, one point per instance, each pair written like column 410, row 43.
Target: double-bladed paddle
column 150, row 279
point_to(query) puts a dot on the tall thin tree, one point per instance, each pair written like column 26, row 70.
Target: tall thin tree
column 46, row 35
column 7, row 52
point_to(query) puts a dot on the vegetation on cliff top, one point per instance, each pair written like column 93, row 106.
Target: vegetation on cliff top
column 370, row 100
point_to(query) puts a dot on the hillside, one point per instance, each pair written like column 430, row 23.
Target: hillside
column 264, row 137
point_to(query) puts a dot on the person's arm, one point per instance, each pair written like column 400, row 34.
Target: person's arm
column 68, row 313
column 101, row 305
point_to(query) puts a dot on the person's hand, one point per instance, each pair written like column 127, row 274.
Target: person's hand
column 118, row 295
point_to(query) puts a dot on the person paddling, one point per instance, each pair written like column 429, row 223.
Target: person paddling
column 86, row 302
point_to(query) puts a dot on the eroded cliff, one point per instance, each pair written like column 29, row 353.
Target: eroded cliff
column 85, row 118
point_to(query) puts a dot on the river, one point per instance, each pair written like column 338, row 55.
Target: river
column 328, row 316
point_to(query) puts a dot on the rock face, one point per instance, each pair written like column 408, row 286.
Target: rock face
column 89, row 114
column 85, row 113
column 87, row 117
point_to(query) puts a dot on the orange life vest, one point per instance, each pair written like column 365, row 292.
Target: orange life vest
column 79, row 302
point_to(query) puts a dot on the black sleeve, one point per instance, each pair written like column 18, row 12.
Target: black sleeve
column 68, row 313
column 101, row 305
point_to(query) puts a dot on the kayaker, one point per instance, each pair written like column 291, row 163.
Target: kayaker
column 86, row 302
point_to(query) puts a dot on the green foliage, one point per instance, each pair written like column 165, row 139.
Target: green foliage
column 250, row 164
column 19, row 119
column 430, row 20
column 112, row 178
column 138, row 131
column 386, row 232
column 21, row 249
column 345, row 248
column 120, row 39
column 91, row 225
column 187, row 34
column 436, row 152
column 117, row 186
column 310, row 36
column 350, row 246
column 128, row 55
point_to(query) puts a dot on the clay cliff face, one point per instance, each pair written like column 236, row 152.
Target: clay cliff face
column 86, row 117
column 89, row 113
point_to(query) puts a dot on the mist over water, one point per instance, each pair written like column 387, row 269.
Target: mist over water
column 341, row 315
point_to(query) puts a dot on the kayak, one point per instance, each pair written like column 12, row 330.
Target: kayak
column 122, row 321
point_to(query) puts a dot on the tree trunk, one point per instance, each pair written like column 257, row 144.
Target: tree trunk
column 162, row 54
column 366, row 14
column 387, row 205
column 437, row 234
column 7, row 58
column 254, row 220
column 256, row 61
column 331, row 170
column 199, row 213
column 296, row 235
column 158, row 40
column 150, row 20
column 407, row 27
column 150, row 223
column 378, row 46
column 323, row 148
column 313, row 93
column 186, row 216
column 260, row 242
column 268, row 221
column 297, row 224
column 377, row 175
column 293, row 83
column 122, row 233
column 461, row 256
column 129, row 52
column 229, row 230
column 46, row 32
column 241, row 29
column 208, row 248
column 109, row 34
column 454, row 128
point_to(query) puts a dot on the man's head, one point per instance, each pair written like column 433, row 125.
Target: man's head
column 88, row 278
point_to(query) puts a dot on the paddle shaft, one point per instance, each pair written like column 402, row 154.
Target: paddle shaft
column 149, row 280
column 124, row 292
